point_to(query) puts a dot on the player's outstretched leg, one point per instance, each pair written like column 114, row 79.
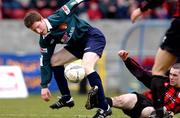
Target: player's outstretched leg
column 104, row 108
column 92, row 100
column 103, row 113
column 63, row 102
column 158, row 93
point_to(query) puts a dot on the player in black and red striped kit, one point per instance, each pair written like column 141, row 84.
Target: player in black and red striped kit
column 167, row 53
column 137, row 105
column 172, row 90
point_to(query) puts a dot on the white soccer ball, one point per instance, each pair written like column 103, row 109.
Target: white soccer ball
column 74, row 72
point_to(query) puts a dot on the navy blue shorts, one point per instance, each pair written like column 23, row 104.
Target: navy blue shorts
column 172, row 38
column 93, row 41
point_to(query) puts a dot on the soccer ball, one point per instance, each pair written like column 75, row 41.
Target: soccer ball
column 74, row 72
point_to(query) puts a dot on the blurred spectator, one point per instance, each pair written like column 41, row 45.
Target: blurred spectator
column 38, row 4
column 1, row 9
column 133, row 4
column 42, row 6
column 52, row 4
column 108, row 8
column 122, row 9
column 103, row 6
column 12, row 9
column 93, row 11
column 24, row 3
column 112, row 10
column 160, row 12
column 171, row 7
column 81, row 9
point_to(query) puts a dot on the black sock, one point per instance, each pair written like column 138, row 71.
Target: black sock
column 109, row 100
column 83, row 86
column 66, row 97
column 94, row 80
column 158, row 93
column 61, row 80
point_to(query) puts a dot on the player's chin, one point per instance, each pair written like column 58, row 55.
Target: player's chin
column 43, row 33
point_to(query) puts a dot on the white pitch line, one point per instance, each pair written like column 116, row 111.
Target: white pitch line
column 40, row 115
column 30, row 115
column 83, row 116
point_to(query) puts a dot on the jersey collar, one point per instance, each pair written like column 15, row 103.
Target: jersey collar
column 49, row 26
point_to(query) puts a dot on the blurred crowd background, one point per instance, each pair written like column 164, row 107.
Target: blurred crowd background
column 111, row 16
column 92, row 10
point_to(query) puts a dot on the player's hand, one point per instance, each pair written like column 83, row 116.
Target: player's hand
column 123, row 54
column 45, row 94
column 135, row 15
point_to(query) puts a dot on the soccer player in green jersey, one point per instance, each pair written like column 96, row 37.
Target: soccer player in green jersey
column 82, row 42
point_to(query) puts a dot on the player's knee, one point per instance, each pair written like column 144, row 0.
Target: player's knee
column 118, row 102
column 88, row 69
column 54, row 62
column 126, row 101
column 146, row 112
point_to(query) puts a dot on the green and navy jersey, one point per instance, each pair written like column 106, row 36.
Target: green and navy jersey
column 64, row 28
column 67, row 26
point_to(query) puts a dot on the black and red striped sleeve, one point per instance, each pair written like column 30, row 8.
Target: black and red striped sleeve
column 139, row 72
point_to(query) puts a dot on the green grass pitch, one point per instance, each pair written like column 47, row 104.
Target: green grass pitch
column 35, row 107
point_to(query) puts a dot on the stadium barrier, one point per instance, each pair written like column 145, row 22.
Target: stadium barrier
column 141, row 54
column 12, row 83
column 29, row 64
column 142, row 26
